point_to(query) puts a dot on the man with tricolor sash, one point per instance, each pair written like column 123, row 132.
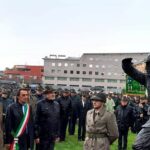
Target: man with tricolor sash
column 19, row 123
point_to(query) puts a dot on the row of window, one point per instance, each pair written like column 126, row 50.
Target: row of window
column 78, row 65
column 88, row 86
column 84, row 72
column 84, row 79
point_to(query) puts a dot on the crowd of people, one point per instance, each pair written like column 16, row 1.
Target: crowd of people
column 36, row 119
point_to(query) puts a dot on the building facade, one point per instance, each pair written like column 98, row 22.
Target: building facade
column 25, row 74
column 102, row 70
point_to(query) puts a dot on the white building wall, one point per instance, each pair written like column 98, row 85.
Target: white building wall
column 108, row 67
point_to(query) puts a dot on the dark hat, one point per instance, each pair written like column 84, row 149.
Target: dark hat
column 147, row 59
column 99, row 97
column 5, row 92
column 65, row 91
column 72, row 91
column 48, row 90
column 125, row 99
column 39, row 88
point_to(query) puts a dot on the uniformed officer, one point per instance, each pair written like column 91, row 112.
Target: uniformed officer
column 101, row 126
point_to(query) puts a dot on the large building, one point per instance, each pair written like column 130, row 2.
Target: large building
column 102, row 70
column 25, row 74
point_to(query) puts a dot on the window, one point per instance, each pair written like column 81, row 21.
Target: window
column 122, row 81
column 91, row 59
column 42, row 70
column 60, row 85
column 53, row 70
column 74, row 85
column 78, row 65
column 96, row 73
column 90, row 72
column 65, row 71
column 97, row 66
column 86, row 79
column 84, row 72
column 62, row 78
column 34, row 77
column 102, row 73
column 84, row 65
column 74, row 79
column 78, row 72
column 66, row 64
column 71, row 64
column 111, row 88
column 53, row 64
column 99, row 80
column 112, row 81
column 27, row 69
column 103, row 66
column 71, row 71
column 115, row 74
column 49, row 78
column 109, row 73
column 90, row 65
column 88, row 86
column 59, row 64
column 116, row 59
column 58, row 71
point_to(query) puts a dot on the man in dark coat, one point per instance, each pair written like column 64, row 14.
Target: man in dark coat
column 35, row 98
column 83, row 107
column 142, row 78
column 5, row 102
column 47, row 122
column 65, row 112
column 14, row 117
column 74, row 101
column 125, row 119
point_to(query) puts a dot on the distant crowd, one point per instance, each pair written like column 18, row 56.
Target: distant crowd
column 68, row 111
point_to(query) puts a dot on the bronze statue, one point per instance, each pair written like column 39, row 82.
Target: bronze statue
column 142, row 78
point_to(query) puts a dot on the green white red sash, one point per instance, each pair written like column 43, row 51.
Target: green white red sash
column 21, row 128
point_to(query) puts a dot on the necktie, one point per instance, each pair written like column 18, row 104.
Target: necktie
column 95, row 116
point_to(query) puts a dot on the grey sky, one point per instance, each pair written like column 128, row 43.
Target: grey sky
column 33, row 29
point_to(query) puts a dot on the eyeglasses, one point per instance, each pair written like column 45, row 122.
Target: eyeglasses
column 24, row 95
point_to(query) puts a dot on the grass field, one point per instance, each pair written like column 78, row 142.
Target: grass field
column 72, row 143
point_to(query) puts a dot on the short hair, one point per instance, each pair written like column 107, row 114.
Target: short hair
column 125, row 99
column 143, row 98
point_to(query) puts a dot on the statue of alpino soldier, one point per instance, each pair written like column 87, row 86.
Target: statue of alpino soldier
column 142, row 78
column 101, row 126
column 143, row 137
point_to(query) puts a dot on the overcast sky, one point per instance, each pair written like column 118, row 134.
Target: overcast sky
column 33, row 29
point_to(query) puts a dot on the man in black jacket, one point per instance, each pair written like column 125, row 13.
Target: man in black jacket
column 47, row 121
column 125, row 119
column 74, row 101
column 65, row 112
column 83, row 107
column 14, row 116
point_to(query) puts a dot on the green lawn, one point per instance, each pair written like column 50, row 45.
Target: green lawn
column 72, row 143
